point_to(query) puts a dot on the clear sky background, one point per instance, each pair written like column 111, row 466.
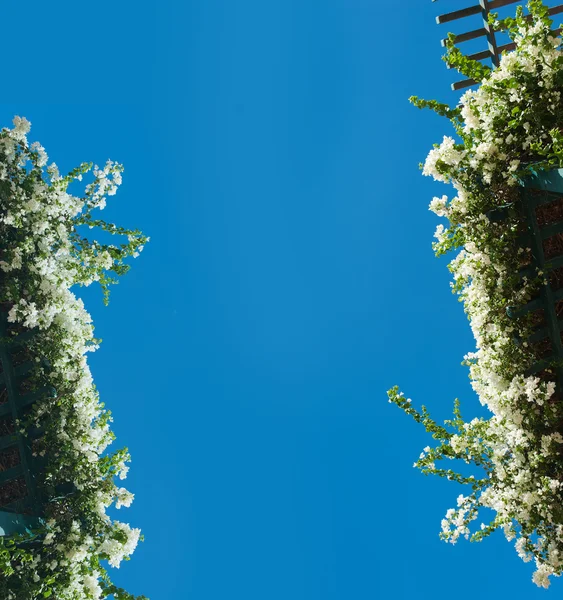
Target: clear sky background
column 272, row 156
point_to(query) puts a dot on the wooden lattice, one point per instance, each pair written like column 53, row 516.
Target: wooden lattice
column 494, row 50
column 540, row 209
column 20, row 493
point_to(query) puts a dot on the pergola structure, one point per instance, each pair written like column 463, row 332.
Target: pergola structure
column 494, row 50
column 539, row 208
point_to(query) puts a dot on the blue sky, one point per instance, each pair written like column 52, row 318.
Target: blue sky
column 271, row 154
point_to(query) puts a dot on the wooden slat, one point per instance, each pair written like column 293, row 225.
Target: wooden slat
column 17, row 506
column 556, row 10
column 491, row 37
column 554, row 263
column 551, row 230
column 540, row 334
column 465, row 37
column 7, row 441
column 12, row 473
column 27, row 400
column 540, row 366
column 24, row 337
column 546, row 181
column 494, row 4
column 506, row 48
column 458, row 14
column 459, row 85
column 516, row 313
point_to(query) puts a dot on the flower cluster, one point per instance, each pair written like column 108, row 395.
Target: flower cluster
column 507, row 129
column 45, row 251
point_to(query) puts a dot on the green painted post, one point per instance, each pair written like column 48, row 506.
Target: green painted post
column 550, row 182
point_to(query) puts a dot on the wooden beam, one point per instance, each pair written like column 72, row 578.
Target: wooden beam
column 555, row 10
column 491, row 39
column 458, row 14
column 492, row 4
column 464, row 37
column 459, row 85
column 507, row 47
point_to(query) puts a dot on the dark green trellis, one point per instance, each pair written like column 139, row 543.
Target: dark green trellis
column 16, row 515
column 540, row 190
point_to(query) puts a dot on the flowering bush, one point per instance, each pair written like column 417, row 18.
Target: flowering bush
column 44, row 253
column 507, row 129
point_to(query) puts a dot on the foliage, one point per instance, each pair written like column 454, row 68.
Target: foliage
column 44, row 254
column 507, row 129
